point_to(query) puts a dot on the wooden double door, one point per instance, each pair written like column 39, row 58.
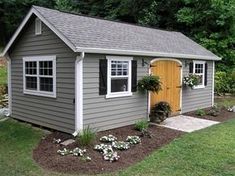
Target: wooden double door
column 169, row 72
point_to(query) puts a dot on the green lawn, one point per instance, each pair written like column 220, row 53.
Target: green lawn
column 209, row 152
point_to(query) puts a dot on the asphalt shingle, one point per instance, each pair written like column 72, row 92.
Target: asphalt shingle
column 88, row 32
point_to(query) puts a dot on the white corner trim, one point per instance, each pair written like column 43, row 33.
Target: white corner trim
column 23, row 23
column 213, row 84
column 118, row 94
column 38, row 92
column 9, row 85
column 144, row 53
column 79, row 94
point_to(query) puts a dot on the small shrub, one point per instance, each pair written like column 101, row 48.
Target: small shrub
column 133, row 139
column 200, row 112
column 78, row 152
column 160, row 112
column 214, row 111
column 150, row 83
column 87, row 137
column 222, row 83
column 141, row 125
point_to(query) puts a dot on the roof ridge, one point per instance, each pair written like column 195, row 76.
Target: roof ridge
column 114, row 21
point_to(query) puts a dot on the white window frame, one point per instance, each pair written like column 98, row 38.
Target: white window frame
column 38, row 92
column 118, row 94
column 203, row 74
column 38, row 26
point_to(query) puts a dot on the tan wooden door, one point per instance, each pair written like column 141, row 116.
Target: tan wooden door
column 170, row 76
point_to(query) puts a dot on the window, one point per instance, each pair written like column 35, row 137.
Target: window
column 40, row 75
column 119, row 76
column 38, row 26
column 199, row 69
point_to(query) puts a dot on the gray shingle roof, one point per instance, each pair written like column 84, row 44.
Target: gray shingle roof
column 88, row 32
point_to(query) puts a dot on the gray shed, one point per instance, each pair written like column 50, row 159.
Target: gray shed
column 68, row 71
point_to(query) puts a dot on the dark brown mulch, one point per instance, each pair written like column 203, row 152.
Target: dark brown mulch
column 223, row 115
column 46, row 152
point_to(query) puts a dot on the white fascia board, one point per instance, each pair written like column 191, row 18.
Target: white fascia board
column 23, row 23
column 144, row 53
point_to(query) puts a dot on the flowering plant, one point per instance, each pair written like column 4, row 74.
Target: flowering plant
column 63, row 152
column 121, row 145
column 75, row 152
column 191, row 80
column 78, row 152
column 150, row 83
column 111, row 156
column 107, row 151
column 133, row 139
column 102, row 147
column 56, row 141
column 109, row 138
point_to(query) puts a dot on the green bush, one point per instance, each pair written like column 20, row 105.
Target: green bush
column 141, row 125
column 150, row 83
column 160, row 112
column 200, row 112
column 214, row 111
column 86, row 137
column 224, row 82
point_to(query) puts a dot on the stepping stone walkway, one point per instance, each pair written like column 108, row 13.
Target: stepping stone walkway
column 186, row 123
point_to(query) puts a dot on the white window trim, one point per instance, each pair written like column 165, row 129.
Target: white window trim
column 38, row 92
column 118, row 94
column 203, row 75
column 38, row 26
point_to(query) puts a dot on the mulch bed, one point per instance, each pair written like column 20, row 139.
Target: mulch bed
column 224, row 115
column 47, row 157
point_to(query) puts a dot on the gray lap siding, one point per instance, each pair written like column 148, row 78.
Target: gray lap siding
column 106, row 113
column 56, row 113
column 193, row 99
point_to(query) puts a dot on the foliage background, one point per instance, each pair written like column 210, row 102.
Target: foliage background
column 211, row 23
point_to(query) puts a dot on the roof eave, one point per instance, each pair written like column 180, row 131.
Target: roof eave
column 145, row 53
column 23, row 23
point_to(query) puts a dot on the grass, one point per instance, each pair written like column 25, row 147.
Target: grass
column 209, row 152
column 3, row 75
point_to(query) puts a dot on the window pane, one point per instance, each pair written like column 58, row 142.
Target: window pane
column 31, row 83
column 119, row 85
column 45, row 68
column 119, row 68
column 31, row 68
column 46, row 84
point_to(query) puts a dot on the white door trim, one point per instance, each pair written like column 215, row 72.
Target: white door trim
column 181, row 81
column 79, row 94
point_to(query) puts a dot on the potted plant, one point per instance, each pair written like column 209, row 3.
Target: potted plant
column 191, row 80
column 150, row 83
column 160, row 112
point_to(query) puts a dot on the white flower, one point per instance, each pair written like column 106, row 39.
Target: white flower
column 109, row 138
column 133, row 139
column 56, row 141
column 121, row 145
